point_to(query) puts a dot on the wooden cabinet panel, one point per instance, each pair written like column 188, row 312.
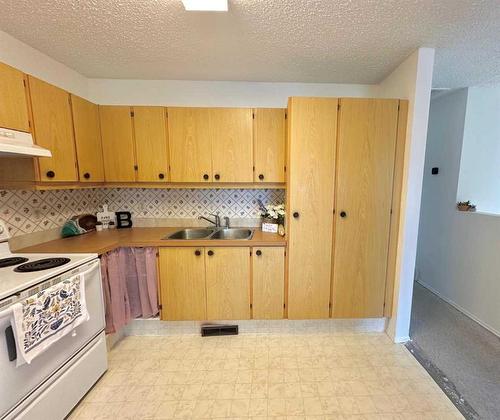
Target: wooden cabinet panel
column 366, row 148
column 182, row 283
column 228, row 283
column 232, row 150
column 269, row 138
column 53, row 129
column 13, row 99
column 88, row 140
column 268, row 282
column 311, row 167
column 117, row 143
column 190, row 145
column 150, row 127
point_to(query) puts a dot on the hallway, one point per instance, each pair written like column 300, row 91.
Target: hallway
column 467, row 354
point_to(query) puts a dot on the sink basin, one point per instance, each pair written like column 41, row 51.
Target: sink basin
column 232, row 234
column 191, row 234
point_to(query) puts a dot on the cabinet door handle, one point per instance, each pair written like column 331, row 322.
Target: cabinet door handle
column 86, row 175
column 161, row 175
column 258, row 252
column 50, row 174
column 343, row 214
column 217, row 176
column 205, row 177
column 210, row 253
column 197, row 252
column 296, row 214
column 261, row 177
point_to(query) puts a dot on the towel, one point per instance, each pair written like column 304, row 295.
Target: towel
column 42, row 319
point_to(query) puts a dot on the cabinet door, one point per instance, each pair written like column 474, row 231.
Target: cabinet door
column 151, row 143
column 366, row 148
column 190, row 145
column 53, row 129
column 231, row 136
column 182, row 283
column 228, row 283
column 268, row 282
column 117, row 143
column 87, row 140
column 269, row 129
column 13, row 99
column 311, row 169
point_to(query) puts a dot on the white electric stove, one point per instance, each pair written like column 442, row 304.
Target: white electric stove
column 53, row 383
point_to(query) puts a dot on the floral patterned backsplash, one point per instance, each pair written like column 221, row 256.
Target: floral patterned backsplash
column 33, row 211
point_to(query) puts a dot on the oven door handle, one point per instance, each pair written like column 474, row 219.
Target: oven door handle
column 11, row 343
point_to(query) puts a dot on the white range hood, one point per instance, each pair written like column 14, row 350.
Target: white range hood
column 18, row 143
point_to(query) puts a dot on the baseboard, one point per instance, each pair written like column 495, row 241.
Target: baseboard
column 460, row 309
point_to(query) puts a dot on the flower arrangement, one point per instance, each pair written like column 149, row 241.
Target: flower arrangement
column 276, row 213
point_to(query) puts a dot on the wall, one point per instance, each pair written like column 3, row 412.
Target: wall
column 412, row 80
column 34, row 211
column 479, row 179
column 457, row 254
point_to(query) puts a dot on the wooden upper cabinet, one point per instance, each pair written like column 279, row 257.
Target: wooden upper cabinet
column 182, row 283
column 228, row 282
column 231, row 137
column 311, row 173
column 13, row 99
column 269, row 139
column 189, row 145
column 366, row 150
column 53, row 129
column 268, row 282
column 150, row 127
column 87, row 140
column 117, row 143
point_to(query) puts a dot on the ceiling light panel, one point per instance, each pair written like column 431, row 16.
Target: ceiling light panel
column 205, row 5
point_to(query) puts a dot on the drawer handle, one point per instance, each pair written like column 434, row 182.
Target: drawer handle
column 217, row 177
column 296, row 215
column 261, row 177
column 258, row 252
column 210, row 253
column 205, row 177
column 343, row 214
column 86, row 175
column 161, row 176
column 50, row 174
column 197, row 252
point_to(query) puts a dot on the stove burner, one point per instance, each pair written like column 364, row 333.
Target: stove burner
column 39, row 265
column 7, row 262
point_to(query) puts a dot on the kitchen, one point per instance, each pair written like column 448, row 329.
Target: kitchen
column 238, row 248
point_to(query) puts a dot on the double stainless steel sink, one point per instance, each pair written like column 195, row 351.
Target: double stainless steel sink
column 212, row 233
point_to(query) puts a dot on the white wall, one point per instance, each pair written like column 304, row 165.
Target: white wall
column 23, row 57
column 458, row 253
column 411, row 80
column 479, row 179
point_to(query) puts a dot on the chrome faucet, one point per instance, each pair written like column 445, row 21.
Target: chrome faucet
column 215, row 222
column 226, row 222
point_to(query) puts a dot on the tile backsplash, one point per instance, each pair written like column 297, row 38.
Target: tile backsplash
column 34, row 211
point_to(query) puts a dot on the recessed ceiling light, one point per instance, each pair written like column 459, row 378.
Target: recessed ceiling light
column 205, row 5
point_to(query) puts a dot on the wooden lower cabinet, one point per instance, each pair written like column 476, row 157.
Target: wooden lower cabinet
column 228, row 283
column 182, row 283
column 268, row 282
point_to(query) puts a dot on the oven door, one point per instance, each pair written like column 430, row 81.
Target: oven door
column 17, row 383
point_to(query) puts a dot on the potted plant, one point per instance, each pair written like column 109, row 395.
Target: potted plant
column 466, row 206
column 273, row 216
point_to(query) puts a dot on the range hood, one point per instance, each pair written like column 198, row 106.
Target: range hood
column 18, row 144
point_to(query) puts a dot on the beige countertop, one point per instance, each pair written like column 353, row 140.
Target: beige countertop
column 107, row 240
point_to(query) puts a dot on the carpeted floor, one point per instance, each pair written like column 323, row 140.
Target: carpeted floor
column 467, row 353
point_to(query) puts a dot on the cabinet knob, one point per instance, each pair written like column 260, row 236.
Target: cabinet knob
column 197, row 252
column 161, row 175
column 205, row 177
column 296, row 214
column 261, row 177
column 50, row 174
column 210, row 253
column 258, row 252
column 217, row 176
column 86, row 175
column 343, row 214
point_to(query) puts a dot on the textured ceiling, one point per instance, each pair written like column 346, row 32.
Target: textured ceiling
column 342, row 41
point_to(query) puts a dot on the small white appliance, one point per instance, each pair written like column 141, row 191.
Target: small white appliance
column 55, row 381
column 20, row 144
